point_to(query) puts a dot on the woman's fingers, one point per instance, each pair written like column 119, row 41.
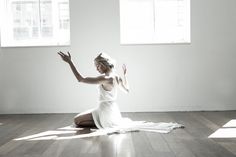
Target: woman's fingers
column 68, row 53
column 61, row 54
column 124, row 68
column 64, row 55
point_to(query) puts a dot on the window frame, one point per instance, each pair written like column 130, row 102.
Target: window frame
column 128, row 40
column 57, row 39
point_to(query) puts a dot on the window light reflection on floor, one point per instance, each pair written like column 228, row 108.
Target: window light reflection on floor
column 224, row 133
column 227, row 131
column 231, row 123
column 66, row 133
column 45, row 134
column 51, row 134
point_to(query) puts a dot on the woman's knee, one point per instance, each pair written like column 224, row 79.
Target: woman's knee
column 81, row 118
column 77, row 120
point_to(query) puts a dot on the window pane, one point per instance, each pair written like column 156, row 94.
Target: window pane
column 154, row 21
column 64, row 20
column 46, row 18
column 171, row 21
column 35, row 23
column 25, row 17
column 137, row 22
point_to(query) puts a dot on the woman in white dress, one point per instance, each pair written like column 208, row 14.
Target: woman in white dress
column 107, row 114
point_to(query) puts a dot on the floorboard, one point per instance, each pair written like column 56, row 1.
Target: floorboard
column 192, row 141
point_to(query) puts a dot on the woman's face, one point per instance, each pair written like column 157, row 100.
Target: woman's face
column 100, row 67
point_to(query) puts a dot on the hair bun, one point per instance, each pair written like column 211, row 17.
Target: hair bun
column 106, row 60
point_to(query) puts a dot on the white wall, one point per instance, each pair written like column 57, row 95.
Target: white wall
column 196, row 76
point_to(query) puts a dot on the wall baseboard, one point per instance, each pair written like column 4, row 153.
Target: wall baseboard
column 156, row 109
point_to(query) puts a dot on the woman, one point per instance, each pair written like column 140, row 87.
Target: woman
column 107, row 114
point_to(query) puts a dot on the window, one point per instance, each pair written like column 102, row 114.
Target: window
column 35, row 23
column 154, row 21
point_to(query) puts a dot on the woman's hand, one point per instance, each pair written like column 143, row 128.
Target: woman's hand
column 66, row 58
column 123, row 82
column 124, row 69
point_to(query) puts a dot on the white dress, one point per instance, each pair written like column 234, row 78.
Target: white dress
column 107, row 116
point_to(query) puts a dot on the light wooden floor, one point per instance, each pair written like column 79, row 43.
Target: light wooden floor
column 192, row 141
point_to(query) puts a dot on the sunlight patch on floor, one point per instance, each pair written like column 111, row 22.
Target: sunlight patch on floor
column 69, row 132
column 45, row 134
column 66, row 133
column 231, row 123
column 227, row 131
column 43, row 138
column 224, row 133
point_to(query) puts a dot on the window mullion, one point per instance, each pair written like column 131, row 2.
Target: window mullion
column 40, row 20
column 154, row 15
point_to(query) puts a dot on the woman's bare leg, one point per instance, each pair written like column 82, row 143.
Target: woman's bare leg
column 84, row 120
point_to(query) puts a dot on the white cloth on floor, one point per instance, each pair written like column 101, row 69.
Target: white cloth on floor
column 107, row 116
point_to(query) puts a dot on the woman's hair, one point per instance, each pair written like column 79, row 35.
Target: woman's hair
column 105, row 60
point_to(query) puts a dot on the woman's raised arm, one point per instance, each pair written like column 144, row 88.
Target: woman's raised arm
column 90, row 80
column 124, row 82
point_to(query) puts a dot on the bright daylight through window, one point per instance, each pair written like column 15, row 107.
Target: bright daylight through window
column 154, row 21
column 35, row 23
